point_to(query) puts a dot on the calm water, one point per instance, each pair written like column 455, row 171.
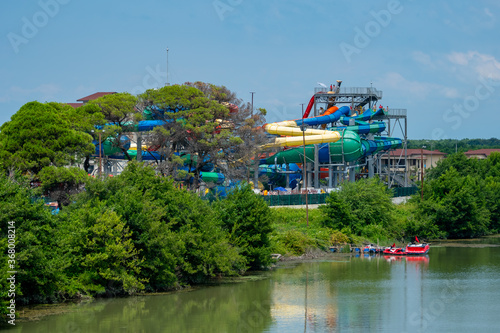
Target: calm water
column 454, row 289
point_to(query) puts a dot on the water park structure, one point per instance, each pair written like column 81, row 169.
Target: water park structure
column 342, row 135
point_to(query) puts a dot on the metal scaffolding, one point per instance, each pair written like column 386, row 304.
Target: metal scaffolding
column 359, row 99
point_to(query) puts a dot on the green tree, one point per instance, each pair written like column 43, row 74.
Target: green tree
column 59, row 183
column 361, row 206
column 201, row 126
column 37, row 252
column 120, row 116
column 41, row 135
column 101, row 257
column 456, row 204
column 176, row 232
column 337, row 212
column 247, row 219
column 463, row 165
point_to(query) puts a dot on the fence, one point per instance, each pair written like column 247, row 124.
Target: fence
column 404, row 191
column 314, row 198
column 320, row 198
column 295, row 199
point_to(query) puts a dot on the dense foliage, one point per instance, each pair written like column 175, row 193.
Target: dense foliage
column 363, row 207
column 461, row 198
column 200, row 122
column 129, row 233
column 138, row 232
column 41, row 135
column 247, row 219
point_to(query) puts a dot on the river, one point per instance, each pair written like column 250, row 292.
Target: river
column 456, row 288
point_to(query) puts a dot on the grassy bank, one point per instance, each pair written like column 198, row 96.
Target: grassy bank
column 293, row 237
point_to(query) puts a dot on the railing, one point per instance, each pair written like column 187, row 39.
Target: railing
column 396, row 112
column 353, row 91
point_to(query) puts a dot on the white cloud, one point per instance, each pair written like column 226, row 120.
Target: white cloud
column 458, row 58
column 482, row 65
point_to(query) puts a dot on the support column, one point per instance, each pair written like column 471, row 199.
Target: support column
column 309, row 174
column 256, row 171
column 287, row 176
column 139, row 147
column 352, row 174
column 336, row 177
column 371, row 168
column 316, row 166
column 105, row 166
column 389, row 170
column 330, row 177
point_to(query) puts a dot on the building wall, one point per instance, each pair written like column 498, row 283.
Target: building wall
column 479, row 157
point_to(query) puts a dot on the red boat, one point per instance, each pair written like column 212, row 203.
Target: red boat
column 417, row 248
column 410, row 249
column 393, row 250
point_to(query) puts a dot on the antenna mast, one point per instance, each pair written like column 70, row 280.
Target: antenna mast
column 167, row 84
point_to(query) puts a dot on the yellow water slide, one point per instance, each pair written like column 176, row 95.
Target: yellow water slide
column 293, row 133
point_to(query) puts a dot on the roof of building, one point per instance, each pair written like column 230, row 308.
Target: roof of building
column 485, row 152
column 75, row 105
column 95, row 96
column 415, row 152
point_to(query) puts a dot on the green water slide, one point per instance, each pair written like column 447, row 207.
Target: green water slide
column 349, row 146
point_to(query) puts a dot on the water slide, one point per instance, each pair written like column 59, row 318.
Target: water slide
column 377, row 127
column 363, row 118
column 295, row 135
column 340, row 144
column 309, row 107
column 108, row 148
column 337, row 152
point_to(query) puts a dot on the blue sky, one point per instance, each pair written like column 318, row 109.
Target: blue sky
column 438, row 59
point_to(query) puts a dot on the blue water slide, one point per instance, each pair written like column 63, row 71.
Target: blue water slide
column 380, row 143
column 366, row 116
column 148, row 125
column 365, row 128
column 319, row 120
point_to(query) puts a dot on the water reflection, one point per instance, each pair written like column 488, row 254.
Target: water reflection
column 242, row 307
column 451, row 289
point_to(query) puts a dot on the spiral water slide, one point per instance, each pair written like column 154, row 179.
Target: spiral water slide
column 108, row 148
column 294, row 135
column 337, row 145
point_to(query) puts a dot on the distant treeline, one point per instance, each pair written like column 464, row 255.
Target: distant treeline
column 450, row 146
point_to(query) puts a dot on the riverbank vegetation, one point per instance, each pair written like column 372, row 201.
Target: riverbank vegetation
column 140, row 232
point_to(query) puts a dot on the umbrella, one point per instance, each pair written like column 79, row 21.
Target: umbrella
column 279, row 188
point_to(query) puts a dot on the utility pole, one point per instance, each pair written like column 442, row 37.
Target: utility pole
column 167, row 84
column 100, row 148
column 257, row 156
column 304, row 167
column 100, row 158
column 251, row 112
